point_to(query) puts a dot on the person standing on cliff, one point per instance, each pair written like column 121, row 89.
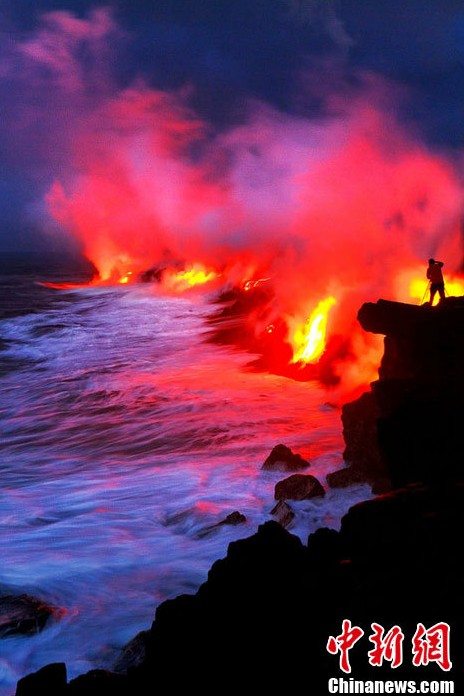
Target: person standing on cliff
column 435, row 276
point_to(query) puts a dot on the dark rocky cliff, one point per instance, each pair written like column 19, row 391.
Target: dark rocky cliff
column 409, row 427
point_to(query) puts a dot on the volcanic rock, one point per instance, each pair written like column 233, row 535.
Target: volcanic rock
column 397, row 560
column 324, row 547
column 270, row 585
column 98, row 682
column 234, row 518
column 347, row 477
column 283, row 459
column 423, row 343
column 359, row 419
column 283, row 514
column 23, row 614
column 50, row 680
column 298, row 487
column 133, row 654
column 410, row 422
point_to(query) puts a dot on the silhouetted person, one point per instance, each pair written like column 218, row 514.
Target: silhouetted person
column 435, row 275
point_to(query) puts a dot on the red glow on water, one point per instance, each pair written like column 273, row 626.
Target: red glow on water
column 206, row 507
column 62, row 286
column 114, row 279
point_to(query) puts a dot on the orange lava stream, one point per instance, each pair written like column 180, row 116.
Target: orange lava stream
column 308, row 340
column 189, row 278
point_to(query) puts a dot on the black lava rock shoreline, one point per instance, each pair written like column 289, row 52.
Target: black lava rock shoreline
column 263, row 617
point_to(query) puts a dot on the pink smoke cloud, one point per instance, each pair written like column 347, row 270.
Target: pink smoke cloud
column 336, row 205
column 56, row 49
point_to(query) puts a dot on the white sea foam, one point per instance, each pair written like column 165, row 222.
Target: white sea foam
column 125, row 437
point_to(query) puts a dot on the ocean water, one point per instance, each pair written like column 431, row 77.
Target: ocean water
column 125, row 437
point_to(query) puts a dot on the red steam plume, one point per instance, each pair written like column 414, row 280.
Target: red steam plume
column 346, row 206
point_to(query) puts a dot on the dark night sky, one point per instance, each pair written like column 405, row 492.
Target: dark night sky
column 286, row 53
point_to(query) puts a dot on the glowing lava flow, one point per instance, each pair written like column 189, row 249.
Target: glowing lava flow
column 252, row 284
column 189, row 278
column 309, row 339
column 125, row 279
column 195, row 276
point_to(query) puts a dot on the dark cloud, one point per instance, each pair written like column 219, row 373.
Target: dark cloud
column 418, row 43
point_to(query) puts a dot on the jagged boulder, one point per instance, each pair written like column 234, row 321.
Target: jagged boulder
column 133, row 654
column 50, row 680
column 298, row 487
column 283, row 514
column 23, row 614
column 283, row 459
column 234, row 518
column 99, row 682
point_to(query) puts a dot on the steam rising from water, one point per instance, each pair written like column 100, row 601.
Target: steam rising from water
column 342, row 204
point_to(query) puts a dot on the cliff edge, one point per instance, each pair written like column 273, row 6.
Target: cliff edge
column 409, row 427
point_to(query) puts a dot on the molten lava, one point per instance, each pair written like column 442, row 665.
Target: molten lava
column 252, row 284
column 309, row 339
column 125, row 279
column 189, row 278
column 195, row 276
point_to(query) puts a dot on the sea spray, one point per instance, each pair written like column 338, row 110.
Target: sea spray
column 126, row 437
